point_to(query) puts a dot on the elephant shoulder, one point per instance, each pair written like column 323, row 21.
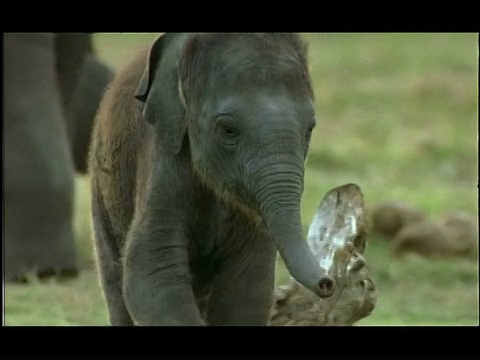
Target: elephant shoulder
column 118, row 120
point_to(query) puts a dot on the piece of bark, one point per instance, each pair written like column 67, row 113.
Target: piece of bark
column 337, row 237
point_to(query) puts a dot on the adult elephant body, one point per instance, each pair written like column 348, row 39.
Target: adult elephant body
column 197, row 166
column 48, row 79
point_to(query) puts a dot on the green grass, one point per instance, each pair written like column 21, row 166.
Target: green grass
column 398, row 115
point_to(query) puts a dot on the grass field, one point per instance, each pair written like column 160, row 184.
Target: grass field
column 398, row 115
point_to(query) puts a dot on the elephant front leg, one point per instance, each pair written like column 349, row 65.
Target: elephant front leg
column 157, row 285
column 243, row 289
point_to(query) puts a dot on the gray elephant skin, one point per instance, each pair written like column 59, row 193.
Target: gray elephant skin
column 45, row 75
column 197, row 170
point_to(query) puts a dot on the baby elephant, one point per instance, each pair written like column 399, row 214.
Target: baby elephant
column 197, row 166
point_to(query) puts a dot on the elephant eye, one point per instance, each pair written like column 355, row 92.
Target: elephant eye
column 226, row 129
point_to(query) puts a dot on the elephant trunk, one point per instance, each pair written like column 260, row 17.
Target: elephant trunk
column 279, row 197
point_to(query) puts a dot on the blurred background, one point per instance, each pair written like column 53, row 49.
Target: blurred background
column 397, row 114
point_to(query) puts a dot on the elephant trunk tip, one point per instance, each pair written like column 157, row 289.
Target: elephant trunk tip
column 326, row 287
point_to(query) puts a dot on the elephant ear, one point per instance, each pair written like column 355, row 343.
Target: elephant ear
column 159, row 88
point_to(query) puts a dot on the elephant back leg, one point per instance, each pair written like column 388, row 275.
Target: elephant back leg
column 39, row 176
column 71, row 49
column 94, row 78
column 109, row 264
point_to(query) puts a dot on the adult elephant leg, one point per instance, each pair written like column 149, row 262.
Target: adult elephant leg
column 94, row 78
column 71, row 50
column 38, row 194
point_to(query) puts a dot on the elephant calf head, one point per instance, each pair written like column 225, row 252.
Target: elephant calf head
column 244, row 102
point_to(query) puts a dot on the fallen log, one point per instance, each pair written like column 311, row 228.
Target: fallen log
column 337, row 237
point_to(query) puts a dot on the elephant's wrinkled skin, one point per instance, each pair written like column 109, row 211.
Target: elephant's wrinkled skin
column 197, row 166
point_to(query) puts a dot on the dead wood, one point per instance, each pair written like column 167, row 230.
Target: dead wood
column 337, row 237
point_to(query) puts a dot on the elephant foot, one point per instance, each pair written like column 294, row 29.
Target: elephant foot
column 61, row 275
column 17, row 279
column 44, row 274
column 50, row 254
